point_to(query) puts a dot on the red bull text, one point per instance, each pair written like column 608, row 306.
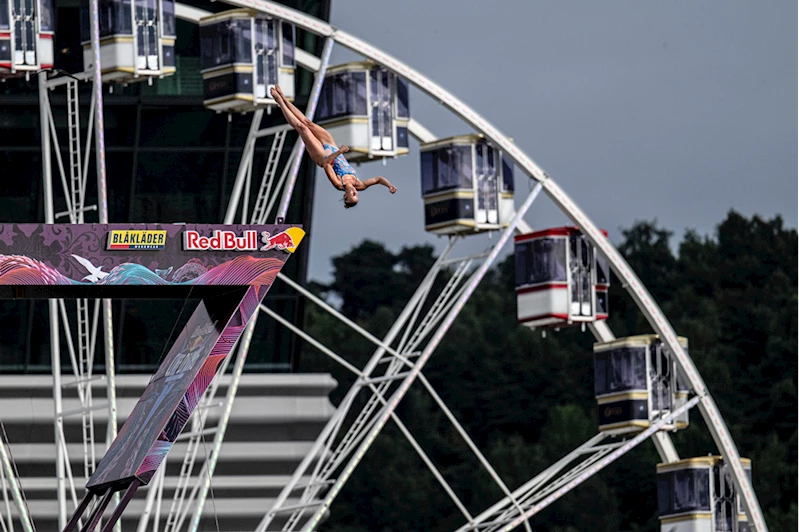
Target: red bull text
column 229, row 241
column 221, row 241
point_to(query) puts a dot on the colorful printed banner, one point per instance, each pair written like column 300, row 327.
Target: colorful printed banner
column 176, row 388
column 118, row 260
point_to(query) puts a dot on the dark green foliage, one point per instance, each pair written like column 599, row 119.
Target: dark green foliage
column 527, row 400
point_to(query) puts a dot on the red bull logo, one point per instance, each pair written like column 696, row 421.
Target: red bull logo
column 220, row 241
column 287, row 240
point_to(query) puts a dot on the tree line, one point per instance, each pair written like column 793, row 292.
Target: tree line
column 527, row 400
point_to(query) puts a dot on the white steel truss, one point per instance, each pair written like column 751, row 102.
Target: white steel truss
column 9, row 482
column 74, row 187
column 82, row 352
column 386, row 379
column 550, row 485
column 81, row 343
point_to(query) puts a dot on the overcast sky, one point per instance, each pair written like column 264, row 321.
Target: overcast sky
column 676, row 111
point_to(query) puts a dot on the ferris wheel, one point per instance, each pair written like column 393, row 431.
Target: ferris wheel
column 645, row 385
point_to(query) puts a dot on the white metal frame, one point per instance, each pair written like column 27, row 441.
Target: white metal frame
column 10, row 482
column 535, row 497
column 369, row 114
column 82, row 356
column 477, row 173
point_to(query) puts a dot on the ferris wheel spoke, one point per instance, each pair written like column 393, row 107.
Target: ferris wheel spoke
column 385, row 412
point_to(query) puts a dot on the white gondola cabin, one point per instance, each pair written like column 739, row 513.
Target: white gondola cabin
column 467, row 185
column 365, row 107
column 698, row 495
column 137, row 39
column 560, row 279
column 26, row 37
column 636, row 382
column 244, row 55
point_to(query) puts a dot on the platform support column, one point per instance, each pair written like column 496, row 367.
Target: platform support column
column 210, row 461
column 244, row 165
column 114, row 519
column 84, row 503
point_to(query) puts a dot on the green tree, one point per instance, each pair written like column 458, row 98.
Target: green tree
column 527, row 400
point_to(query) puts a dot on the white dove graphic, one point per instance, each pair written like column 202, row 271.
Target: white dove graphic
column 95, row 272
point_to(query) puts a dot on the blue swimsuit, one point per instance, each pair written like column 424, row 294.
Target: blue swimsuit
column 340, row 165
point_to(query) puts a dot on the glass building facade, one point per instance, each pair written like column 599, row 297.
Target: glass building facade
column 168, row 159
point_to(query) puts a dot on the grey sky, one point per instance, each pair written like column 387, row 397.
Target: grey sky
column 674, row 110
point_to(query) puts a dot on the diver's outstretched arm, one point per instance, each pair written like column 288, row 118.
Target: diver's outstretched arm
column 380, row 180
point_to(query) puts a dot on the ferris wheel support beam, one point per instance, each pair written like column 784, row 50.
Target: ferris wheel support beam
column 246, row 161
column 385, row 412
column 55, row 350
column 10, row 478
column 324, row 441
column 641, row 296
column 536, row 499
column 81, row 365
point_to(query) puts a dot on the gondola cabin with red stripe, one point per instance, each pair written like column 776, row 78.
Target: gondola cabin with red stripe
column 560, row 279
column 26, row 37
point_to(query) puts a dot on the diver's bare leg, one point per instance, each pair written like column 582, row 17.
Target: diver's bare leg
column 312, row 143
column 318, row 131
